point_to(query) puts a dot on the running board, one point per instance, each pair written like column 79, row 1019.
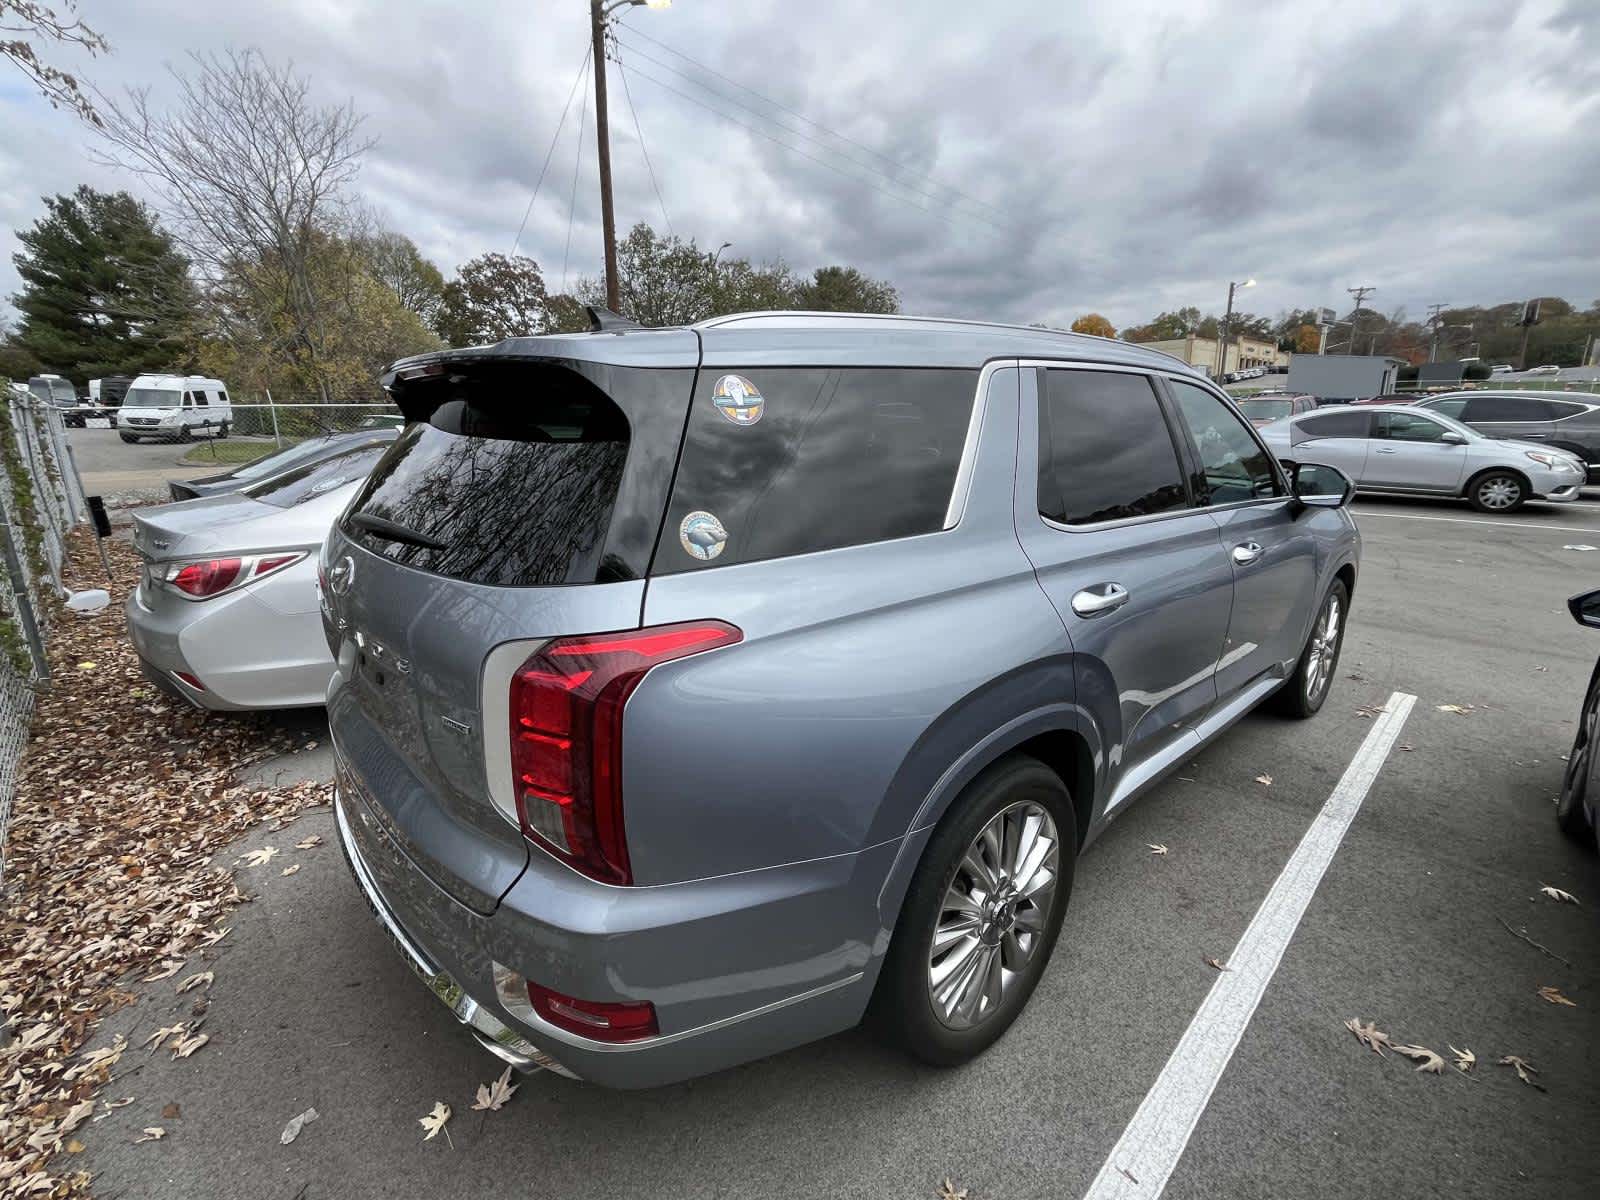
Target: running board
column 1137, row 779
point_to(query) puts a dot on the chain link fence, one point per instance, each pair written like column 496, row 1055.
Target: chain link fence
column 257, row 427
column 41, row 499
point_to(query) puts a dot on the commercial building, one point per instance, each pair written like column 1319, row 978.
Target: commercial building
column 1243, row 352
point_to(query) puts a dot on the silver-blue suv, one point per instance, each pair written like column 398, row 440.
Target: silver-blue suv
column 703, row 691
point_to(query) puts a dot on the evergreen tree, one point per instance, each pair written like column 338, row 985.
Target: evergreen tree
column 103, row 290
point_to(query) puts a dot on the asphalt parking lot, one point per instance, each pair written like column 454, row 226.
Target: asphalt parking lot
column 312, row 1008
column 116, row 469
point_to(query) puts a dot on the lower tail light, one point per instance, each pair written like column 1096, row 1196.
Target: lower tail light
column 628, row 1021
column 566, row 737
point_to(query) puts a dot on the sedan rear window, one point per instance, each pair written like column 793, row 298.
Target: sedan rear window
column 314, row 479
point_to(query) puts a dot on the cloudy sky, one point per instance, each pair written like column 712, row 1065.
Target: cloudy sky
column 1016, row 161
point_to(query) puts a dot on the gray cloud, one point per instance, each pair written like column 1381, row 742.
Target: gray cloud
column 1128, row 158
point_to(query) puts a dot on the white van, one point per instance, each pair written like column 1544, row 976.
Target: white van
column 171, row 407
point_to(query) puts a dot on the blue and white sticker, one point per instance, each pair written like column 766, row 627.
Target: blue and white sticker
column 702, row 536
column 738, row 399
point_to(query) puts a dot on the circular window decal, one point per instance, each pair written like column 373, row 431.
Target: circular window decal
column 738, row 399
column 702, row 536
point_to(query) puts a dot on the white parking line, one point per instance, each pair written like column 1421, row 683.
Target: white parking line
column 1148, row 1151
column 1524, row 525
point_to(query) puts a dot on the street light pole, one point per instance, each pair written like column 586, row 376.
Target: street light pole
column 1227, row 328
column 598, row 12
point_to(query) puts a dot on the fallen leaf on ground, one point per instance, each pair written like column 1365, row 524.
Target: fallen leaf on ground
column 290, row 870
column 259, row 858
column 306, row 843
column 171, row 1111
column 1215, row 965
column 1465, row 1059
column 949, row 1191
column 1406, row 746
column 1430, row 1061
column 168, row 969
column 1557, row 894
column 1525, row 1070
column 1369, row 1035
column 295, row 1125
column 1554, row 996
column 75, row 1147
column 1368, row 711
column 434, row 1122
column 1264, row 780
column 198, row 979
column 215, row 936
column 188, row 1046
column 1157, row 849
column 152, row 1133
column 76, row 1115
column 164, row 1033
column 493, row 1096
column 1460, row 710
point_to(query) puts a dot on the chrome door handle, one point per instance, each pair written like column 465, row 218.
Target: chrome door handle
column 1101, row 598
column 1387, row 450
column 1246, row 553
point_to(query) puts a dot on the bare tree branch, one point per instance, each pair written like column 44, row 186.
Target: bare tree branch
column 30, row 20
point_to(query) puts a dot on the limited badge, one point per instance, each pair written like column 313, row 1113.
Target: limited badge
column 702, row 536
column 738, row 399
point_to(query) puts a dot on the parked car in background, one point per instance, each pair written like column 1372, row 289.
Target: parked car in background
column 1578, row 805
column 1546, row 369
column 175, row 408
column 226, row 612
column 1388, row 398
column 1263, row 408
column 641, row 753
column 57, row 391
column 1402, row 449
column 1569, row 421
column 300, row 454
column 1501, row 369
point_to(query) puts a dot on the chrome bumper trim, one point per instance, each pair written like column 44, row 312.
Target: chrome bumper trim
column 500, row 1040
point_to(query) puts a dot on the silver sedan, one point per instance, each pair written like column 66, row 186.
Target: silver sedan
column 227, row 613
column 1404, row 450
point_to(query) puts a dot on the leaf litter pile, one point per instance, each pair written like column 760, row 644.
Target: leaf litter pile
column 124, row 798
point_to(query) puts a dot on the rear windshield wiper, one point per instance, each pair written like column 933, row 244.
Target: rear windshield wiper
column 394, row 532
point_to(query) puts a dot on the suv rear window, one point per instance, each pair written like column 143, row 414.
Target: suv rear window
column 528, row 474
column 791, row 460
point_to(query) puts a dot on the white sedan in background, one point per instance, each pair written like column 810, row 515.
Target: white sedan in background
column 226, row 614
column 1410, row 451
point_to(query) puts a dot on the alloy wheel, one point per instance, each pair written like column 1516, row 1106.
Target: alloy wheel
column 1324, row 649
column 1499, row 492
column 994, row 915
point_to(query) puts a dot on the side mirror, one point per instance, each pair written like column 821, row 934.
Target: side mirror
column 1585, row 609
column 1454, row 438
column 1317, row 485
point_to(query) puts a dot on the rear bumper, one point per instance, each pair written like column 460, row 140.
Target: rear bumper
column 738, row 968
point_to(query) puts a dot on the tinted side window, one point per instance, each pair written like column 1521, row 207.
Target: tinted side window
column 1505, row 408
column 1335, row 425
column 1455, row 406
column 222, row 397
column 200, row 399
column 188, row 400
column 1233, row 464
column 793, row 460
column 1408, row 427
column 1105, row 449
column 1560, row 409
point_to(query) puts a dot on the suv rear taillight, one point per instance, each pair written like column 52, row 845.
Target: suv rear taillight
column 566, row 737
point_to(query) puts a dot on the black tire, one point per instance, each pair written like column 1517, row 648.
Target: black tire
column 1571, row 814
column 1497, row 492
column 902, row 1008
column 1297, row 697
column 222, row 430
column 128, row 437
column 183, row 433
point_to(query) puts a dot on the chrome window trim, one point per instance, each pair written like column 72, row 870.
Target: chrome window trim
column 961, row 489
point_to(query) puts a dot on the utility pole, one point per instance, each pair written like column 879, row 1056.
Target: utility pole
column 1360, row 293
column 1530, row 318
column 1433, row 321
column 1227, row 328
column 602, row 137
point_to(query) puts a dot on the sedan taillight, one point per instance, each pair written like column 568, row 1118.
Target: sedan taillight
column 566, row 737
column 205, row 578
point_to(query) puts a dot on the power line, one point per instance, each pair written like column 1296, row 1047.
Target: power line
column 572, row 205
column 628, row 94
column 583, row 68
column 795, row 149
column 816, row 124
column 800, row 133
